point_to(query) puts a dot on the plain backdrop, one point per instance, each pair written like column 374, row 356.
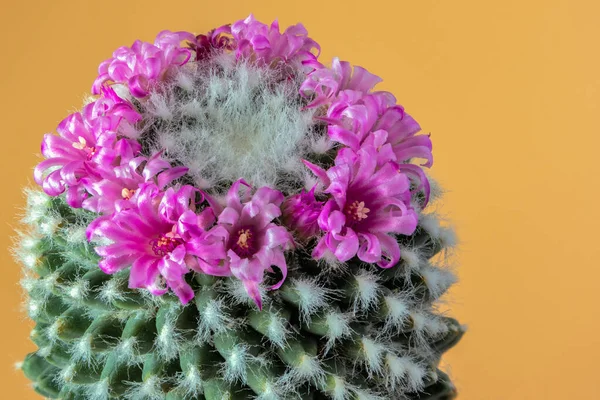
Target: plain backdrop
column 509, row 92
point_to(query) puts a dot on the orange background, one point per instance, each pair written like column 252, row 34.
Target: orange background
column 510, row 92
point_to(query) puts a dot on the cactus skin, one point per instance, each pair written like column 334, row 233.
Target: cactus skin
column 356, row 332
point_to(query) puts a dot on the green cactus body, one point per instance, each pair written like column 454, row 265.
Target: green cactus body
column 355, row 332
column 236, row 163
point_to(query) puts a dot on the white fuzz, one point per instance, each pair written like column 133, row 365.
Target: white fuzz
column 49, row 225
column 190, row 381
column 122, row 91
column 321, row 145
column 127, row 352
column 310, row 181
column 431, row 224
column 82, row 349
column 185, row 82
column 438, row 280
column 278, row 331
column 330, row 267
column 97, row 391
column 309, row 369
column 398, row 310
column 442, row 234
column 341, row 389
column 272, row 391
column 168, row 338
column 54, row 329
column 213, row 319
column 361, row 394
column 78, row 290
column 76, row 234
column 236, row 363
column 157, row 106
column 312, row 296
column 48, row 283
column 238, row 295
column 28, row 283
column 28, row 242
column 426, row 326
column 149, row 389
column 367, row 290
column 411, row 258
column 38, row 206
column 30, row 260
column 67, row 374
column 110, row 291
column 34, row 308
column 402, row 372
column 436, row 191
column 448, row 237
column 371, row 355
column 44, row 351
column 36, row 333
column 338, row 328
column 232, row 118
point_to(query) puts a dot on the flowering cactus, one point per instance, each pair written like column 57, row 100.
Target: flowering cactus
column 229, row 218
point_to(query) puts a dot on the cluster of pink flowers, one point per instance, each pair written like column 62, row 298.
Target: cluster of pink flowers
column 162, row 230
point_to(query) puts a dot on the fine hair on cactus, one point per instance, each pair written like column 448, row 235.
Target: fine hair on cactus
column 229, row 218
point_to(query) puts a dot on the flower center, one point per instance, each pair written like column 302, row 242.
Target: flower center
column 127, row 193
column 82, row 145
column 357, row 211
column 244, row 243
column 166, row 243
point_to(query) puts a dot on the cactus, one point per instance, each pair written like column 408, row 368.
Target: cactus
column 335, row 324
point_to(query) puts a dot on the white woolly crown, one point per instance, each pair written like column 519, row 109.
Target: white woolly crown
column 226, row 119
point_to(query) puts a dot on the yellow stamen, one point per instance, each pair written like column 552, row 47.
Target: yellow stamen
column 82, row 144
column 358, row 211
column 242, row 241
column 127, row 193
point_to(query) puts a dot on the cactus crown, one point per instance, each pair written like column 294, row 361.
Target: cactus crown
column 231, row 219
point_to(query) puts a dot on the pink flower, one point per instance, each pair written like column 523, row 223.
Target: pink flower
column 255, row 243
column 401, row 130
column 325, row 83
column 119, row 184
column 355, row 116
column 152, row 238
column 86, row 142
column 110, row 105
column 216, row 39
column 143, row 63
column 300, row 213
column 369, row 203
column 268, row 44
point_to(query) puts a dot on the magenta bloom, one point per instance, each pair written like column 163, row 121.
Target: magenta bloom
column 82, row 146
column 119, row 184
column 300, row 213
column 88, row 141
column 370, row 201
column 355, row 116
column 325, row 83
column 143, row 63
column 110, row 105
column 216, row 39
column 268, row 44
column 255, row 243
column 151, row 239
